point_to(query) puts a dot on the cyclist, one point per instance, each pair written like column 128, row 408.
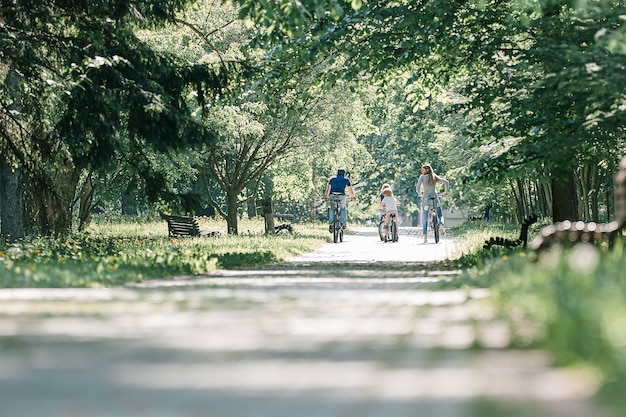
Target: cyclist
column 336, row 191
column 382, row 211
column 390, row 203
column 428, row 181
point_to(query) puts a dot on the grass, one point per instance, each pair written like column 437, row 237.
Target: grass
column 119, row 251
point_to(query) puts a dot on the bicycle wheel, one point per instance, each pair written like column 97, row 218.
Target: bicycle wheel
column 436, row 226
column 381, row 229
column 336, row 226
column 394, row 231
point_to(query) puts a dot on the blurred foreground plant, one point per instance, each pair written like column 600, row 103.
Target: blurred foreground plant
column 573, row 303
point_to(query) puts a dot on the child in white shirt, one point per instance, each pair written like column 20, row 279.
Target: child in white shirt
column 390, row 203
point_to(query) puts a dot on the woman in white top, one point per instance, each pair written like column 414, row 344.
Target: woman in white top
column 428, row 181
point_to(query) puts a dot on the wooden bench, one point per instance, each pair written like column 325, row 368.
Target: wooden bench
column 185, row 226
column 284, row 226
column 522, row 240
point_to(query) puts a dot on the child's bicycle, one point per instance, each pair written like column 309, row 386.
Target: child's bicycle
column 381, row 226
column 433, row 218
column 392, row 235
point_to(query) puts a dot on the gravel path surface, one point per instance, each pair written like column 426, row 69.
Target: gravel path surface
column 359, row 328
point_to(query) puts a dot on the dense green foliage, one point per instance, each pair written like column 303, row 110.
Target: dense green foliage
column 83, row 94
column 523, row 90
column 518, row 103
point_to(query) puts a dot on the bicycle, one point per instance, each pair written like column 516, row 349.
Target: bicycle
column 336, row 225
column 381, row 227
column 393, row 229
column 433, row 217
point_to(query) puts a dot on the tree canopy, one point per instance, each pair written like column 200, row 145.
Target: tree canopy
column 522, row 96
column 81, row 90
column 538, row 82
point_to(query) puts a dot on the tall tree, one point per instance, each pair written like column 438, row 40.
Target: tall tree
column 553, row 102
column 329, row 141
column 89, row 89
column 272, row 116
column 11, row 193
column 11, row 202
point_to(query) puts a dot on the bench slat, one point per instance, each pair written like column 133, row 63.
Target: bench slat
column 182, row 226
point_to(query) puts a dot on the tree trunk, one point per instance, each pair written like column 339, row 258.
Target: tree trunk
column 583, row 193
column 313, row 206
column 522, row 199
column 54, row 216
column 542, row 200
column 313, row 199
column 11, row 191
column 530, row 199
column 595, row 195
column 609, row 206
column 251, row 203
column 231, row 215
column 86, row 204
column 564, row 205
column 129, row 201
column 547, row 195
column 515, row 204
column 268, row 215
column 53, row 199
column 11, row 202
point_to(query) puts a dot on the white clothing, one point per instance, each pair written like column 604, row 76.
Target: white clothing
column 390, row 204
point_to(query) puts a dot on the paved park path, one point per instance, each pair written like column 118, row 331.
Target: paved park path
column 357, row 329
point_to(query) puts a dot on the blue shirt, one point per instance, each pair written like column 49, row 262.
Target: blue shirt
column 338, row 184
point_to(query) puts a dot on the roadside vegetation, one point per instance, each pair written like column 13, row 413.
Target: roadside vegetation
column 569, row 302
column 573, row 303
column 118, row 251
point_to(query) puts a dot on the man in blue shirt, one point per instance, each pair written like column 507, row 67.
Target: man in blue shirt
column 336, row 191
